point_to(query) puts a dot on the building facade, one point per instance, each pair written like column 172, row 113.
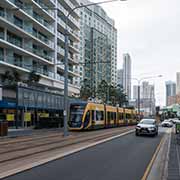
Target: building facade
column 135, row 92
column 178, row 83
column 98, row 47
column 32, row 39
column 120, row 77
column 147, row 102
column 170, row 92
column 147, row 90
column 127, row 74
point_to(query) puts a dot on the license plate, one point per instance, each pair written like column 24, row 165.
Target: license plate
column 144, row 130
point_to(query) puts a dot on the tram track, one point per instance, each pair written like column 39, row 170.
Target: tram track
column 50, row 145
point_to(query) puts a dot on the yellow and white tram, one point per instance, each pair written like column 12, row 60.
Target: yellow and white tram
column 86, row 115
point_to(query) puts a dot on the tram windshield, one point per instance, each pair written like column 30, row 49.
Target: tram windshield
column 76, row 114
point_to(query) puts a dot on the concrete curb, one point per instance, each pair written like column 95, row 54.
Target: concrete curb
column 158, row 170
column 44, row 161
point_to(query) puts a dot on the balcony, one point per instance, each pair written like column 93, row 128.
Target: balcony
column 44, row 7
column 37, row 17
column 28, row 29
column 61, row 78
column 73, row 33
column 39, row 53
column 70, row 18
column 14, row 41
column 43, row 22
column 18, row 63
column 29, row 67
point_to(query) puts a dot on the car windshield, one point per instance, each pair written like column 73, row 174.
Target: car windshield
column 147, row 121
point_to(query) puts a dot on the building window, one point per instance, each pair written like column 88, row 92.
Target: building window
column 14, row 39
column 17, row 60
column 1, row 33
column 1, row 54
column 2, row 12
column 18, row 22
column 18, row 3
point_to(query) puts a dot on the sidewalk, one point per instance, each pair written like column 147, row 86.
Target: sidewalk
column 174, row 158
column 12, row 133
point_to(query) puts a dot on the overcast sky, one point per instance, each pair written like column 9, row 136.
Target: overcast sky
column 149, row 30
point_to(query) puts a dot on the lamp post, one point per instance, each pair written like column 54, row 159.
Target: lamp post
column 139, row 83
column 66, row 59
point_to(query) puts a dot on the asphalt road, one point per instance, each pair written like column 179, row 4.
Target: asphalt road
column 124, row 158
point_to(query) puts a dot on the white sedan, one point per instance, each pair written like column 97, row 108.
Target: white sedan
column 167, row 123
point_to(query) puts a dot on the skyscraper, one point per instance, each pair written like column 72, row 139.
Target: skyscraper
column 135, row 92
column 120, row 77
column 147, row 101
column 178, row 83
column 127, row 74
column 170, row 93
column 98, row 47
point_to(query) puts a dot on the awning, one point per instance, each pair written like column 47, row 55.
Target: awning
column 7, row 104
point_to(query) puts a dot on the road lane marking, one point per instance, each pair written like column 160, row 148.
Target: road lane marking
column 59, row 156
column 148, row 169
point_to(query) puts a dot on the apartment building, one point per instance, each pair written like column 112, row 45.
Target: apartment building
column 32, row 39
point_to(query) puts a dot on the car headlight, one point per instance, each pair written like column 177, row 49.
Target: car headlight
column 138, row 127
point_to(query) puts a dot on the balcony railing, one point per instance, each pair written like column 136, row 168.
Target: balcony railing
column 21, row 64
column 39, row 53
column 29, row 30
column 29, row 10
column 44, row 7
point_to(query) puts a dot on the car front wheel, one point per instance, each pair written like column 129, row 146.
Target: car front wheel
column 137, row 134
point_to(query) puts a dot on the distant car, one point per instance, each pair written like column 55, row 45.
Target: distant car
column 147, row 126
column 175, row 120
column 167, row 123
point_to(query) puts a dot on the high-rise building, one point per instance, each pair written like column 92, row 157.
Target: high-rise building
column 178, row 83
column 135, row 92
column 98, row 47
column 147, row 98
column 127, row 74
column 170, row 92
column 147, row 90
column 120, row 77
column 32, row 39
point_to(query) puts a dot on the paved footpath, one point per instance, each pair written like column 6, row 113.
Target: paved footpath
column 174, row 158
column 125, row 158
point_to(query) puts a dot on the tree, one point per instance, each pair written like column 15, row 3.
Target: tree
column 33, row 77
column 102, row 91
column 121, row 97
column 11, row 77
column 85, row 91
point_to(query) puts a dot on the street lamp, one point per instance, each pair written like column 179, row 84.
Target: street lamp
column 66, row 59
column 139, row 82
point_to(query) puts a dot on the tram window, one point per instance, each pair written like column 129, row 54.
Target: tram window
column 120, row 115
column 87, row 116
column 114, row 115
column 109, row 115
column 99, row 115
column 93, row 115
column 128, row 116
